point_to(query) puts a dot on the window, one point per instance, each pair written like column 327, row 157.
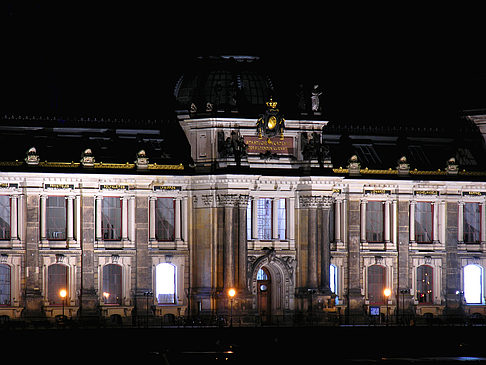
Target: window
column 425, row 283
column 264, row 218
column 333, row 280
column 111, row 218
column 164, row 219
column 376, row 284
column 262, row 275
column 423, row 222
column 472, row 222
column 4, row 284
column 56, row 218
column 4, row 217
column 282, row 222
column 165, row 283
column 473, row 284
column 375, row 217
column 56, row 281
column 112, row 284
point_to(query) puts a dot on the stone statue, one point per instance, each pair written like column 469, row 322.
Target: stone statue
column 32, row 157
column 316, row 93
column 87, row 158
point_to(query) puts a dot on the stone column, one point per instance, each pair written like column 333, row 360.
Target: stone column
column 435, row 229
column 124, row 218
column 275, row 218
column 312, row 249
column 99, row 234
column 483, row 222
column 88, row 297
column 325, row 250
column 177, row 219
column 70, row 219
column 152, row 201
column 363, row 220
column 43, row 223
column 13, row 218
column 33, row 284
column 254, row 218
column 242, row 243
column 228, row 258
column 337, row 221
column 387, row 221
column 460, row 223
column 412, row 222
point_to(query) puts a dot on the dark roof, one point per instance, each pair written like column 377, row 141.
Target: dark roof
column 113, row 142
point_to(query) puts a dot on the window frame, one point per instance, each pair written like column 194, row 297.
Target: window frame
column 47, row 218
column 9, row 295
column 103, row 230
column 173, row 222
column 174, row 294
column 120, row 284
column 416, row 214
column 368, row 220
column 65, row 287
column 430, row 285
column 480, row 217
column 9, row 218
column 371, row 285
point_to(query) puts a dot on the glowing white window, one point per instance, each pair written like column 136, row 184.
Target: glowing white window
column 165, row 283
column 473, row 284
column 333, row 277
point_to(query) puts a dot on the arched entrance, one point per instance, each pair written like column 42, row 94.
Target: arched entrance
column 276, row 297
column 264, row 295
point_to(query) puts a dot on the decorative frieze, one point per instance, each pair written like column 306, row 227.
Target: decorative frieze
column 311, row 201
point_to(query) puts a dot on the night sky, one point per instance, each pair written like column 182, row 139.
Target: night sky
column 124, row 60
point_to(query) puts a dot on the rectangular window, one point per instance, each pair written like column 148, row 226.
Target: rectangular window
column 472, row 223
column 282, row 219
column 264, row 218
column 4, row 217
column 111, row 218
column 424, row 212
column 165, row 219
column 56, row 218
column 375, row 218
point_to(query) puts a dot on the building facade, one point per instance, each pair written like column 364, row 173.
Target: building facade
column 268, row 214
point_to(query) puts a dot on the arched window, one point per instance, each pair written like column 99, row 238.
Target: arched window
column 473, row 284
column 56, row 281
column 165, row 283
column 425, row 284
column 376, row 284
column 4, row 284
column 112, row 284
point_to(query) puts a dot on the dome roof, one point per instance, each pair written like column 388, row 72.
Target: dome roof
column 224, row 84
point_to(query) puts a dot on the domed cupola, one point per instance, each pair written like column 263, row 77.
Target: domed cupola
column 224, row 84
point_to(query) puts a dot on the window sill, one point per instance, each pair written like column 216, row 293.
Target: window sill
column 276, row 244
column 168, row 245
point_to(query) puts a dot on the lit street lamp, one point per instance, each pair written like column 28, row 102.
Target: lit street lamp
column 231, row 294
column 63, row 294
column 387, row 293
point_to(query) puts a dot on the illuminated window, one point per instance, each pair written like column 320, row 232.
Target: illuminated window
column 423, row 222
column 112, row 284
column 333, row 280
column 472, row 222
column 111, row 218
column 375, row 218
column 425, row 283
column 56, row 217
column 281, row 219
column 4, row 284
column 376, row 284
column 164, row 219
column 56, row 281
column 4, row 217
column 264, row 218
column 165, row 283
column 473, row 284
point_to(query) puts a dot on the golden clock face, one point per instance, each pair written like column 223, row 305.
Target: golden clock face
column 272, row 122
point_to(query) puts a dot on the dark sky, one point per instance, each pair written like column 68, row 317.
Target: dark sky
column 124, row 59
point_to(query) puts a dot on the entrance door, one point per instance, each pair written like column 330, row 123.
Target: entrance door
column 264, row 295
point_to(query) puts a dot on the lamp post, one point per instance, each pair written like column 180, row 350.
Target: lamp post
column 147, row 294
column 63, row 294
column 231, row 294
column 387, row 293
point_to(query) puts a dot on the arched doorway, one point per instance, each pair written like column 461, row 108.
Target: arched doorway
column 264, row 295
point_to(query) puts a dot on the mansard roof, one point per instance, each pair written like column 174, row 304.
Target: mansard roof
column 59, row 143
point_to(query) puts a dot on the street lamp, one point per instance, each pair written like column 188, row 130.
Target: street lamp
column 231, row 294
column 387, row 293
column 63, row 294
